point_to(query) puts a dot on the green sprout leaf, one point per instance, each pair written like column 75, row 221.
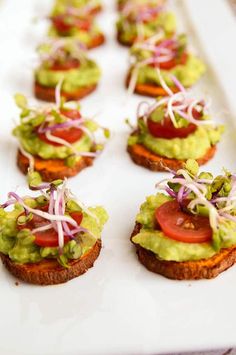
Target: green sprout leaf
column 192, row 167
column 21, row 101
column 34, row 179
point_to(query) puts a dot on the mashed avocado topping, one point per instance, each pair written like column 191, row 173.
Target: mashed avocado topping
column 33, row 145
column 223, row 224
column 66, row 61
column 39, row 128
column 188, row 74
column 87, row 74
column 129, row 31
column 61, row 6
column 20, row 245
column 194, row 146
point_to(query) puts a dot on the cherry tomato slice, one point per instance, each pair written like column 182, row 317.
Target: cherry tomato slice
column 172, row 63
column 60, row 24
column 77, row 216
column 166, row 129
column 182, row 226
column 70, row 135
column 67, row 65
column 63, row 26
column 48, row 238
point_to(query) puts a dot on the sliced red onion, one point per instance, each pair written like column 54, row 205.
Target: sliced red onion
column 16, row 197
column 193, row 185
column 170, row 192
column 162, row 58
column 59, row 210
column 69, row 123
column 167, row 42
column 42, row 229
column 182, row 114
column 177, row 83
column 89, row 134
column 153, row 107
column 40, row 187
column 42, row 214
column 8, row 203
column 61, row 141
column 228, row 216
column 145, row 13
column 163, row 83
column 140, row 106
column 180, row 195
column 58, row 93
column 28, row 156
column 55, row 215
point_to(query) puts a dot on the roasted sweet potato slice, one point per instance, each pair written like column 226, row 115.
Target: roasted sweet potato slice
column 48, row 271
column 144, row 157
column 150, row 89
column 45, row 93
column 53, row 169
column 188, row 270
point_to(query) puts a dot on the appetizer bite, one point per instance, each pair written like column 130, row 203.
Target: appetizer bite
column 65, row 61
column 91, row 7
column 122, row 3
column 170, row 57
column 189, row 231
column 50, row 238
column 172, row 130
column 56, row 141
column 139, row 21
column 77, row 24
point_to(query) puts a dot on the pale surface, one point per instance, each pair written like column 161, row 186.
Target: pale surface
column 118, row 307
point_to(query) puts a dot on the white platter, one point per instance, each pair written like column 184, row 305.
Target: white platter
column 118, row 307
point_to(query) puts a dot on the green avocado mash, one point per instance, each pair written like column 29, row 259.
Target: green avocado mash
column 61, row 5
column 194, row 146
column 129, row 31
column 88, row 74
column 20, row 247
column 33, row 145
column 169, row 249
column 187, row 74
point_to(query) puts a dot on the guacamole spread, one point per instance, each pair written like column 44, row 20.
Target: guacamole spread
column 31, row 143
column 61, row 6
column 129, row 31
column 168, row 249
column 188, row 74
column 20, row 246
column 194, row 146
column 87, row 74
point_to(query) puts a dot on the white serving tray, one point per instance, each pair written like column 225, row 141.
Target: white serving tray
column 118, row 307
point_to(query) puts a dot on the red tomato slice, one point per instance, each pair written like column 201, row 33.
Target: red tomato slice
column 63, row 26
column 48, row 238
column 70, row 135
column 182, row 226
column 60, row 24
column 77, row 216
column 166, row 129
column 84, row 25
column 67, row 65
column 172, row 63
